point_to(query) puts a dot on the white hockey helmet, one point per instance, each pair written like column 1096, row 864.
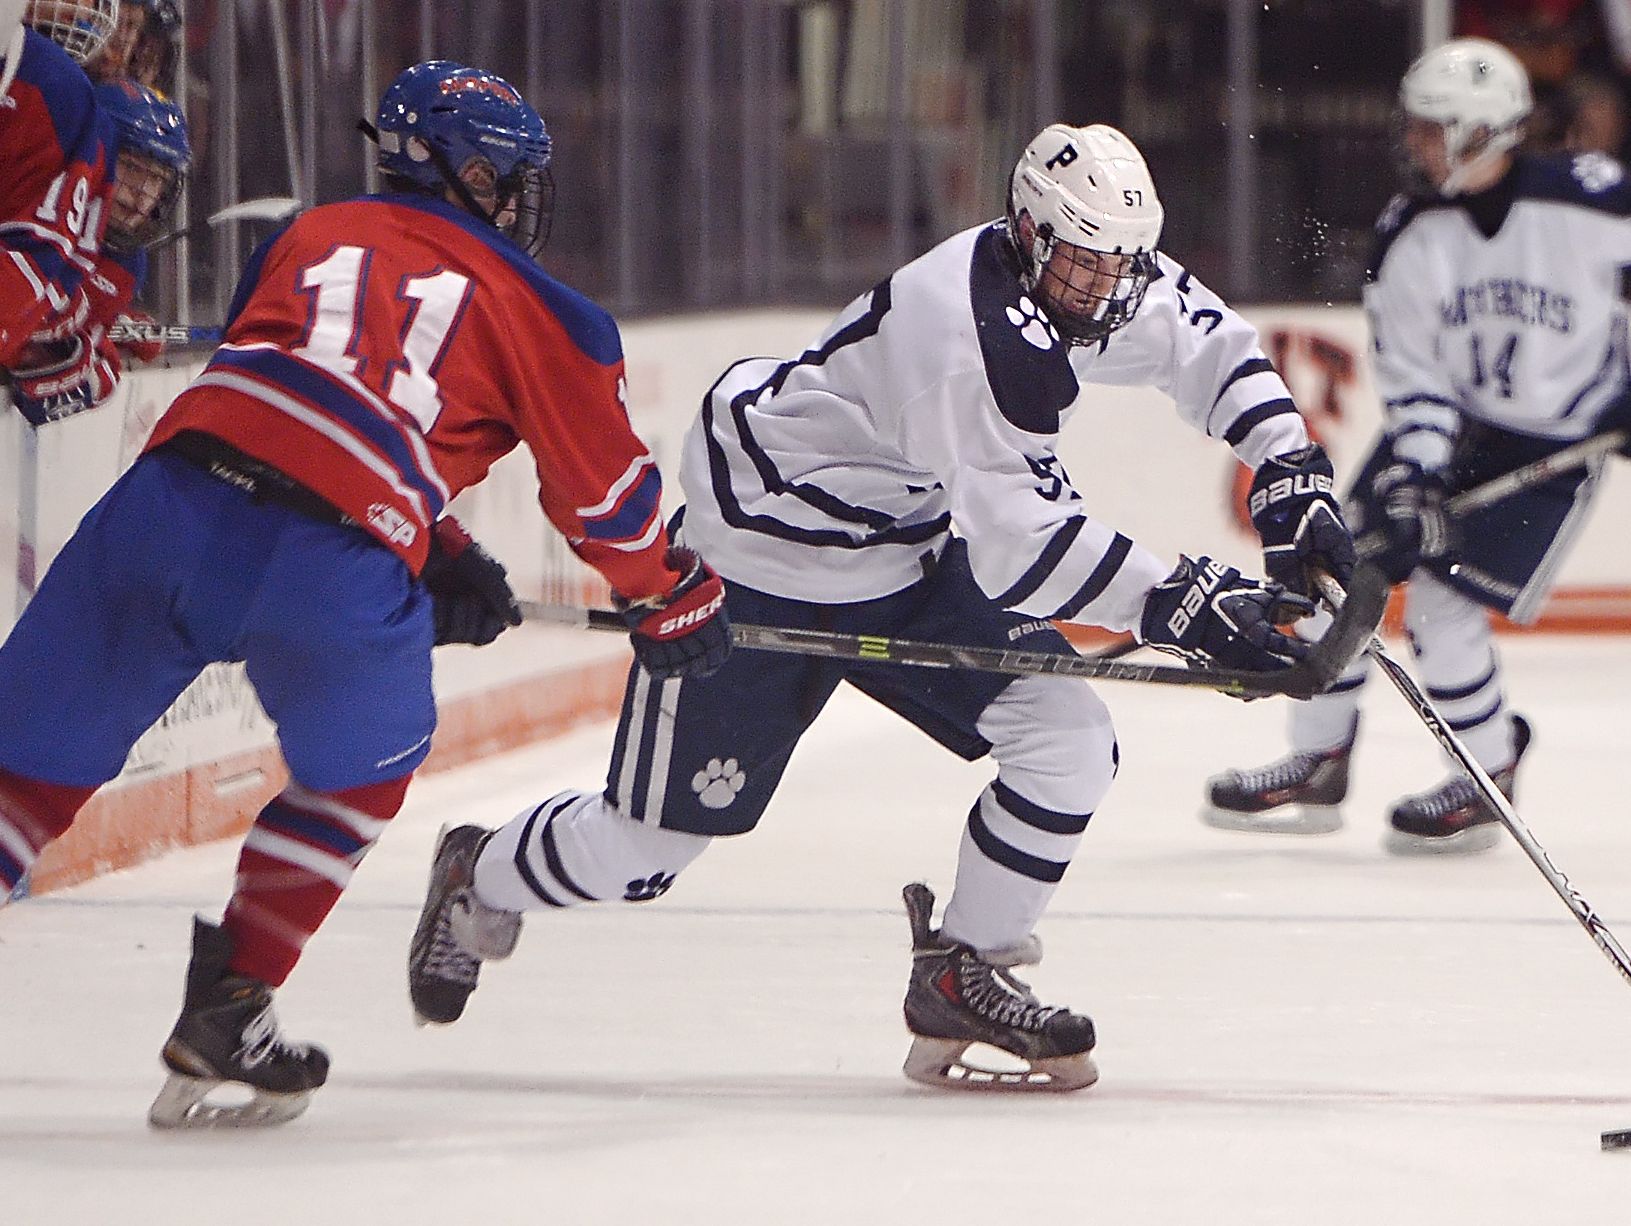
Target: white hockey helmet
column 1084, row 219
column 80, row 27
column 11, row 40
column 1478, row 93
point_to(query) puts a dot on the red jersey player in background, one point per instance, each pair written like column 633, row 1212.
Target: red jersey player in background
column 51, row 198
column 380, row 354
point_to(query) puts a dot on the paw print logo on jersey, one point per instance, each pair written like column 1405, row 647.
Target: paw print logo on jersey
column 644, row 889
column 1032, row 324
column 717, row 784
column 1597, row 172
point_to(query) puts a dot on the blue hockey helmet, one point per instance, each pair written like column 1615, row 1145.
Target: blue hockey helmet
column 154, row 155
column 445, row 126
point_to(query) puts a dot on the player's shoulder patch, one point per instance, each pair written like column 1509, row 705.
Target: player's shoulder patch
column 1027, row 362
column 1590, row 180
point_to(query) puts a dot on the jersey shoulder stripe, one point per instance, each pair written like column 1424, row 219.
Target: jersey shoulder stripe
column 589, row 325
column 1027, row 365
column 1589, row 180
column 65, row 91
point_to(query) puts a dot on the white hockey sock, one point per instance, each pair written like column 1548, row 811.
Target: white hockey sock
column 1056, row 755
column 1327, row 721
column 1459, row 667
column 575, row 848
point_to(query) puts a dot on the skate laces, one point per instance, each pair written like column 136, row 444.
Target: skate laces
column 447, row 959
column 999, row 995
column 259, row 1040
column 1282, row 773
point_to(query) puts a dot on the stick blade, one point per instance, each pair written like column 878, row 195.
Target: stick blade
column 262, row 208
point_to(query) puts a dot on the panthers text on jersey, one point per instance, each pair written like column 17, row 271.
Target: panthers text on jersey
column 935, row 401
column 1508, row 306
column 52, row 193
column 386, row 350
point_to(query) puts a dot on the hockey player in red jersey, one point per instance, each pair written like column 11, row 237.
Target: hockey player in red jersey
column 50, row 215
column 380, row 355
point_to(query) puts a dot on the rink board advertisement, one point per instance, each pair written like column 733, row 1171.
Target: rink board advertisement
column 210, row 763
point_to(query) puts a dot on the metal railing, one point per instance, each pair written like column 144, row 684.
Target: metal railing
column 713, row 153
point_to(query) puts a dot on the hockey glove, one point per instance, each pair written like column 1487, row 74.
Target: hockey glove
column 684, row 632
column 1211, row 615
column 470, row 594
column 65, row 377
column 1298, row 520
column 1414, row 527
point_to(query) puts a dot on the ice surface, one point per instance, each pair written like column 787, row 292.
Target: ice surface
column 1291, row 1031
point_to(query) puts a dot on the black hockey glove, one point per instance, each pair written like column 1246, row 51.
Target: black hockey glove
column 1211, row 615
column 685, row 632
column 1298, row 520
column 1414, row 527
column 470, row 594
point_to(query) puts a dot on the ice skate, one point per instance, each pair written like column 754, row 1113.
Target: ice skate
column 227, row 1035
column 1454, row 818
column 457, row 932
column 957, row 999
column 1301, row 793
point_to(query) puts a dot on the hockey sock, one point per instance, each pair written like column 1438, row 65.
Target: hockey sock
column 1327, row 720
column 296, row 861
column 32, row 814
column 1460, row 670
column 578, row 847
column 1056, row 754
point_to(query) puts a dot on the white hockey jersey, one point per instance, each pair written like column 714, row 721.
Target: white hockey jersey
column 935, row 401
column 1508, row 306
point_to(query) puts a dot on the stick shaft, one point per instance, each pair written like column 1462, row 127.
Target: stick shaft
column 1492, row 794
column 1538, row 473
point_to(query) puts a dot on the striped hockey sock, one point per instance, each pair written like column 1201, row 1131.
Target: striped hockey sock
column 32, row 814
column 296, row 862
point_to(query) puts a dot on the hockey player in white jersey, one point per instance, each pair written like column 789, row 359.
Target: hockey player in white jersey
column 1497, row 300
column 825, row 489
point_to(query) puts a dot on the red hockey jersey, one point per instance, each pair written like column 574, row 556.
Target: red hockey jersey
column 51, row 194
column 386, row 350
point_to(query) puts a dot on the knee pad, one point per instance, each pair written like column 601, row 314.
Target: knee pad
column 1053, row 740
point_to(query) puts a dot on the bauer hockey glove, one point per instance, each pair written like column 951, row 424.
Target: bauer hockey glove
column 1211, row 615
column 470, row 594
column 1413, row 526
column 65, row 377
column 684, row 632
column 1298, row 520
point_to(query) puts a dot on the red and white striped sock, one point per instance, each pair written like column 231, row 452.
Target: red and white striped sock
column 296, row 861
column 32, row 814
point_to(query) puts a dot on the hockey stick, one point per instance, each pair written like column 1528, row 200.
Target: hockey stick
column 1538, row 473
column 1492, row 795
column 1312, row 675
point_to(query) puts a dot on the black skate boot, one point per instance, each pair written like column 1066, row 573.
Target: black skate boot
column 957, row 998
column 457, row 932
column 1454, row 817
column 227, row 1034
column 1301, row 793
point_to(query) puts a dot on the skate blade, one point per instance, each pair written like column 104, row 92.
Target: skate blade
column 1297, row 819
column 1469, row 842
column 183, row 1104
column 941, row 1063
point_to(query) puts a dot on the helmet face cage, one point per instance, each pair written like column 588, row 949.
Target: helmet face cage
column 144, row 201
column 154, row 155
column 439, row 116
column 81, row 27
column 1086, row 294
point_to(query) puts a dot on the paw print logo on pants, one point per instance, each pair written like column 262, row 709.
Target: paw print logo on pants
column 717, row 784
column 644, row 889
column 1032, row 325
